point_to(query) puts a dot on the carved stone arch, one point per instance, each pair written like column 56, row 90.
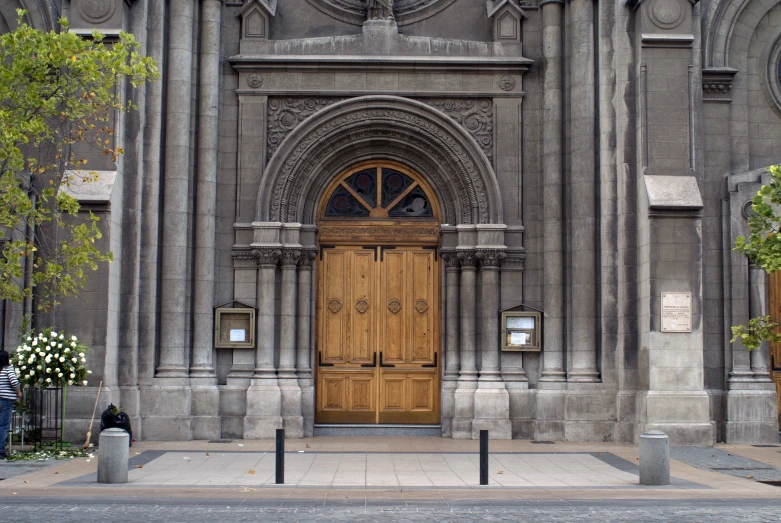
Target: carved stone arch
column 380, row 127
column 731, row 17
column 41, row 14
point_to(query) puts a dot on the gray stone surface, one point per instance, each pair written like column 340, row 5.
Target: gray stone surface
column 112, row 456
column 654, row 458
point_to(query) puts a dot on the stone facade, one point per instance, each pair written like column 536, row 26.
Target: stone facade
column 587, row 156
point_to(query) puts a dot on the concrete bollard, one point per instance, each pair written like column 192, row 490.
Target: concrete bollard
column 112, row 456
column 654, row 458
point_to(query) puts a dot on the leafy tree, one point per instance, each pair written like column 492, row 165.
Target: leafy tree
column 59, row 96
column 763, row 247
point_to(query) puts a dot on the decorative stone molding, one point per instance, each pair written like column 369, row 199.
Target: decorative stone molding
column 490, row 257
column 267, row 255
column 285, row 114
column 254, row 80
column 255, row 16
column 404, row 11
column 514, row 261
column 507, row 83
column 475, row 115
column 467, row 258
column 507, row 17
column 307, row 258
column 717, row 84
column 409, row 232
column 462, row 171
column 244, row 259
column 289, row 257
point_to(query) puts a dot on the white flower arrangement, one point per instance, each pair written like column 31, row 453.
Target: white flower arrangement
column 43, row 365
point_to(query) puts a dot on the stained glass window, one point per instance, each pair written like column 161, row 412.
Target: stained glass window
column 414, row 204
column 342, row 203
column 365, row 184
column 393, row 184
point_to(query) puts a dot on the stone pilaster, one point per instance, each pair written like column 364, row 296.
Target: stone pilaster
column 464, row 399
column 292, row 420
column 264, row 401
column 491, row 400
column 452, row 360
column 303, row 340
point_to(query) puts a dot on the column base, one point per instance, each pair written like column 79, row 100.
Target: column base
column 492, row 411
column 752, row 416
column 683, row 415
column 464, row 409
column 590, row 413
column 292, row 420
column 233, row 409
column 264, row 409
column 550, row 406
column 165, row 410
column 448, row 406
column 205, row 408
column 308, row 405
column 523, row 408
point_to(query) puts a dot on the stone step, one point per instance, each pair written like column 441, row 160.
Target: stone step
column 345, row 429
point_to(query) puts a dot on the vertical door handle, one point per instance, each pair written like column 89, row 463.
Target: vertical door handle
column 372, row 364
column 385, row 365
column 431, row 365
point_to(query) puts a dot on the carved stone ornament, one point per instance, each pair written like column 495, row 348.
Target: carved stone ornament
column 268, row 255
column 307, row 258
column 300, row 167
column 490, row 257
column 290, row 257
column 467, row 258
column 381, row 232
column 450, row 257
column 254, row 80
column 334, row 306
column 362, row 306
column 421, row 306
column 666, row 14
column 244, row 259
column 507, row 83
column 717, row 89
column 394, row 306
column 514, row 260
column 475, row 115
column 97, row 11
column 356, row 12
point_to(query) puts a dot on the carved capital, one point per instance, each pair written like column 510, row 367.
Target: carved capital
column 490, row 257
column 717, row 84
column 244, row 259
column 467, row 258
column 450, row 257
column 289, row 257
column 267, row 256
column 514, row 260
column 307, row 258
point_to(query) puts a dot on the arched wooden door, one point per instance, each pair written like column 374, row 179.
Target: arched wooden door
column 378, row 299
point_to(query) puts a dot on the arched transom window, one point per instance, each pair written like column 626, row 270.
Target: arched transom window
column 382, row 191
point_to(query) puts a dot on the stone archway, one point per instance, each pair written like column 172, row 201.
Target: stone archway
column 391, row 127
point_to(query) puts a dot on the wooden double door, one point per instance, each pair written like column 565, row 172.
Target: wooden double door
column 378, row 335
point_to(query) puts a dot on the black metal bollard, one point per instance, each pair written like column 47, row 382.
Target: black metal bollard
column 484, row 457
column 280, row 457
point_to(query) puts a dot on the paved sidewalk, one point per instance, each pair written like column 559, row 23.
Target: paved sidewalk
column 364, row 469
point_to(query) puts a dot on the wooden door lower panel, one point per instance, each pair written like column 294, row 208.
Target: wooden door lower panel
column 408, row 396
column 346, row 396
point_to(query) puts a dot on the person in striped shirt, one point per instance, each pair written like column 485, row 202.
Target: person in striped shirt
column 9, row 392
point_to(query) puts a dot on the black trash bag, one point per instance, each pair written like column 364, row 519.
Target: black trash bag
column 113, row 418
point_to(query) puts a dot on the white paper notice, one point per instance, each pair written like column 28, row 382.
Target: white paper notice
column 519, row 338
column 238, row 335
column 676, row 312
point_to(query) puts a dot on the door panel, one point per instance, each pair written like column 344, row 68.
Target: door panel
column 378, row 333
column 774, row 283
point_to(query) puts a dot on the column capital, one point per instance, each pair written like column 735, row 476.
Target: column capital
column 290, row 256
column 450, row 256
column 244, row 259
column 490, row 257
column 467, row 258
column 307, row 258
column 267, row 256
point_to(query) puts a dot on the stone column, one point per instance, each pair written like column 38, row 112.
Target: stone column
column 264, row 402
column 303, row 341
column 492, row 402
column 551, row 396
column 583, row 196
column 292, row 421
column 758, row 306
column 464, row 395
column 174, row 285
column 203, row 378
column 452, row 361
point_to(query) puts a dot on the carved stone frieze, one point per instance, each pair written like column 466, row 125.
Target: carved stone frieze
column 267, row 255
column 400, row 125
column 286, row 113
column 384, row 232
column 403, row 11
column 475, row 115
column 490, row 257
column 717, row 84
